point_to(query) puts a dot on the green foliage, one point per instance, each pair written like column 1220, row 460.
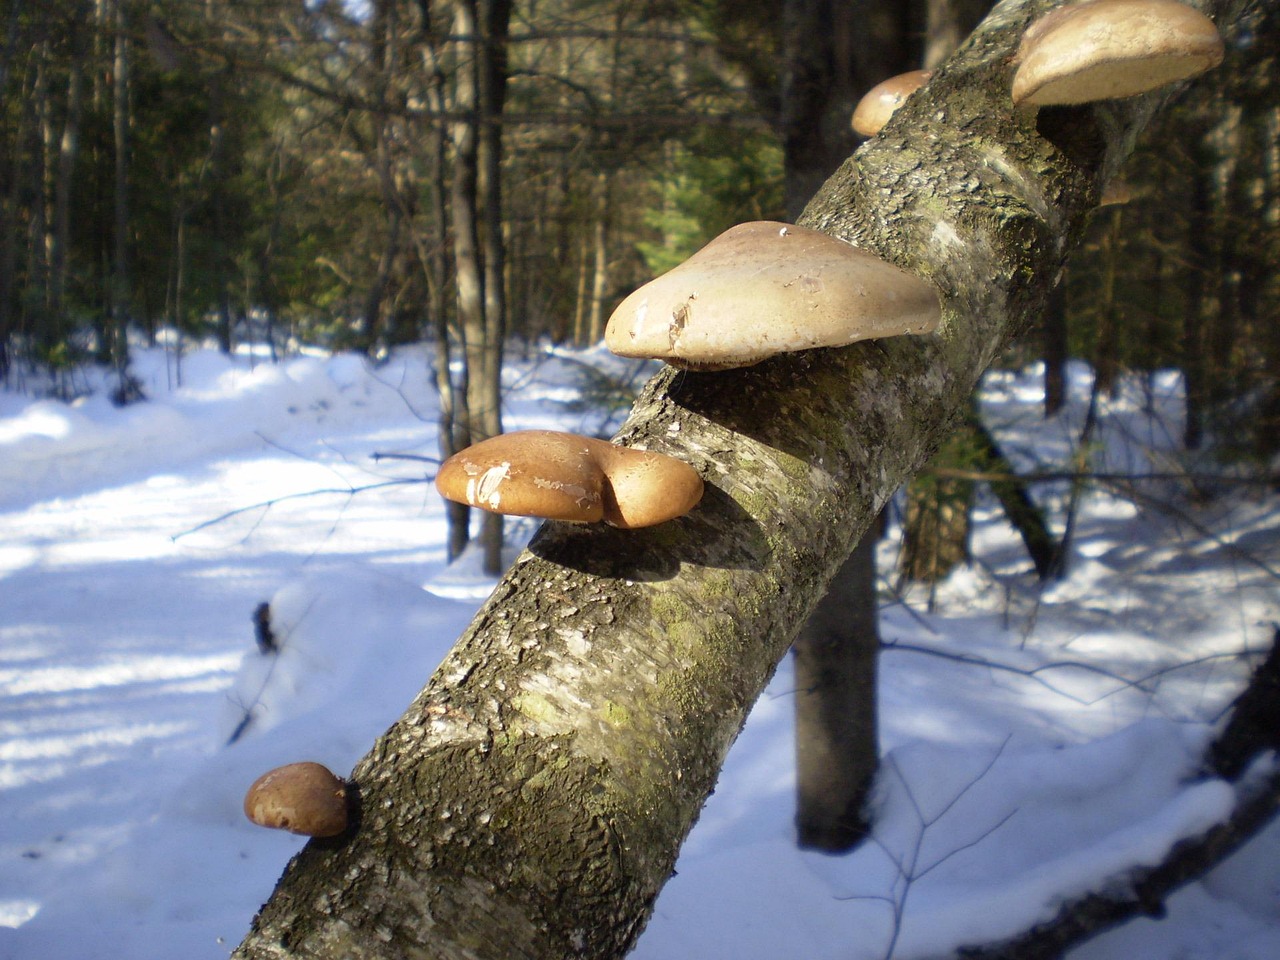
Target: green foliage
column 720, row 178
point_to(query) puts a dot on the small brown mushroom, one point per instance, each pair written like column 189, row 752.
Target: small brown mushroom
column 304, row 798
column 1107, row 49
column 563, row 476
column 878, row 105
column 765, row 288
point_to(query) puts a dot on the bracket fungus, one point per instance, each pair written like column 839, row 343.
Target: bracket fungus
column 1107, row 49
column 764, row 288
column 304, row 798
column 878, row 105
column 563, row 476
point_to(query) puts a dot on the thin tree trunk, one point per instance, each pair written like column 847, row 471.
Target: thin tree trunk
column 453, row 431
column 119, row 348
column 1056, row 351
column 599, row 261
column 1106, row 348
column 581, row 311
column 465, row 207
column 531, row 801
column 67, row 150
column 494, row 17
column 1022, row 512
column 1194, row 361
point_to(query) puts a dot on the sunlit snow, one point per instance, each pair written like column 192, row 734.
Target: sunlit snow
column 1037, row 742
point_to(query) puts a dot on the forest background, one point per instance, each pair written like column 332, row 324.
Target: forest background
column 484, row 175
column 359, row 176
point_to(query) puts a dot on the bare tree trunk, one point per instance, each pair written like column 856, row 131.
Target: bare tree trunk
column 935, row 535
column 217, row 184
column 1194, row 361
column 1106, row 347
column 452, row 433
column 67, row 151
column 482, row 380
column 119, row 299
column 1056, row 351
column 837, row 743
column 16, row 176
column 531, row 801
column 599, row 261
column 837, row 730
column 494, row 17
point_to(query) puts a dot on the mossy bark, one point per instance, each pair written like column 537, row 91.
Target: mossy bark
column 532, row 799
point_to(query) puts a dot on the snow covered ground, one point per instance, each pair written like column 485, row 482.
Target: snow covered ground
column 136, row 543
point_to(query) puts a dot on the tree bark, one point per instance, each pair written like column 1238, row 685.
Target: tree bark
column 120, row 198
column 1056, row 350
column 476, row 204
column 1026, row 517
column 837, row 734
column 494, row 19
column 532, row 800
column 68, row 149
column 832, row 53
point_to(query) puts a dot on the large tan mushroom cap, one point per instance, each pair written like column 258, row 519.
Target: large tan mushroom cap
column 1106, row 49
column 881, row 101
column 562, row 476
column 304, row 798
column 765, row 288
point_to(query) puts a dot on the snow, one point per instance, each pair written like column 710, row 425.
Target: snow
column 1037, row 742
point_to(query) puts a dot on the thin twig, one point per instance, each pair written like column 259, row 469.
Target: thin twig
column 268, row 504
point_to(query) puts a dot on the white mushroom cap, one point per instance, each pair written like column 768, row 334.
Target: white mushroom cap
column 1106, row 49
column 878, row 105
column 764, row 288
column 563, row 476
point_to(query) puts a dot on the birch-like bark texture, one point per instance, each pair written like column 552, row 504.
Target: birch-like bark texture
column 531, row 801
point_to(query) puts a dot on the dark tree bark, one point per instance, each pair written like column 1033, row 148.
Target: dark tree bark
column 837, row 740
column 494, row 19
column 119, row 347
column 1056, row 351
column 532, row 800
column 67, row 151
column 935, row 530
column 832, row 53
column 431, row 250
column 479, row 88
column 1027, row 518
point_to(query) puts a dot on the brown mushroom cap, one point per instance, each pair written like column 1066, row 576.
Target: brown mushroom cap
column 764, row 288
column 563, row 476
column 878, row 105
column 304, row 798
column 643, row 488
column 1106, row 49
column 530, row 473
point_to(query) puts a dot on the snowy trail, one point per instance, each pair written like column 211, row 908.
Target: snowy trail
column 127, row 658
